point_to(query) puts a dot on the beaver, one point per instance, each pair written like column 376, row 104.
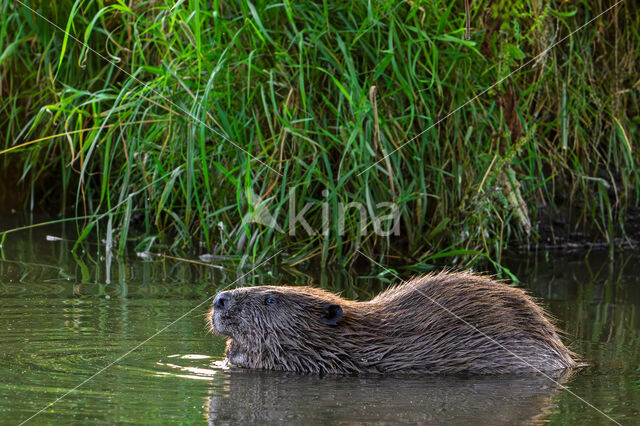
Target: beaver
column 445, row 323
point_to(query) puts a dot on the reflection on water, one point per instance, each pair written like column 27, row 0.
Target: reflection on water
column 64, row 317
column 259, row 397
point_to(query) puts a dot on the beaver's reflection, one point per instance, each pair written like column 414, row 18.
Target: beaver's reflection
column 255, row 397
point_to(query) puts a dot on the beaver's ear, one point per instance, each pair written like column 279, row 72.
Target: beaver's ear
column 331, row 314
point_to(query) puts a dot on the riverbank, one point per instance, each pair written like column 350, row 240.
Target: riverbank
column 324, row 129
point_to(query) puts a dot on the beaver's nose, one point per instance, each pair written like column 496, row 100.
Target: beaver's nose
column 222, row 301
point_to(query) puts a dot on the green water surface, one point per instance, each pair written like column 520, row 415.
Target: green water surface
column 66, row 319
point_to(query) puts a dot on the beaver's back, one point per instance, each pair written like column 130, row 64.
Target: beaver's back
column 460, row 322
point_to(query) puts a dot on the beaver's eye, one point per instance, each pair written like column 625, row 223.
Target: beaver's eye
column 270, row 301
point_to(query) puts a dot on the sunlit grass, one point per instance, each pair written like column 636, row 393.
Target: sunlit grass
column 204, row 110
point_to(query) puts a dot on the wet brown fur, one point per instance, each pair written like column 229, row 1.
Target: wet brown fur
column 406, row 329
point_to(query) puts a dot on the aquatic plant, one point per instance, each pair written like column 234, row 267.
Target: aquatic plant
column 214, row 126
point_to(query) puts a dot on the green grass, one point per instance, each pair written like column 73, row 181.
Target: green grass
column 203, row 104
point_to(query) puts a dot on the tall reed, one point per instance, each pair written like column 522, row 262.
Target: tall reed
column 184, row 125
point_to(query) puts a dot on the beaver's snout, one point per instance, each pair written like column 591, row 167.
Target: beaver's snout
column 223, row 301
column 222, row 315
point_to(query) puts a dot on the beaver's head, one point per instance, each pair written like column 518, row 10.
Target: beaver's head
column 281, row 328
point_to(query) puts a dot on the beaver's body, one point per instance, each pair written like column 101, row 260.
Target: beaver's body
column 438, row 324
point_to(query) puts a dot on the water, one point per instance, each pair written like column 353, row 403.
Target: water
column 64, row 318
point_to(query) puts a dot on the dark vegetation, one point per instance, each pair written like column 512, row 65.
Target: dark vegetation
column 200, row 117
